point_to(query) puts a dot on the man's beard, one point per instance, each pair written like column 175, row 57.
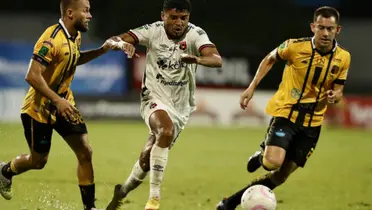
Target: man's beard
column 80, row 27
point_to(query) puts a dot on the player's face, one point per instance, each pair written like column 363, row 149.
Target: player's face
column 325, row 30
column 82, row 16
column 175, row 22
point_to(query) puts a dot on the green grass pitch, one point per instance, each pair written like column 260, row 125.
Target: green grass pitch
column 205, row 165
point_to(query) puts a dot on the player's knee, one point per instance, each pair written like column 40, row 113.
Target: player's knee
column 39, row 164
column 271, row 163
column 85, row 155
column 165, row 136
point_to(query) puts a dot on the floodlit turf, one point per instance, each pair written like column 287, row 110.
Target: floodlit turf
column 205, row 165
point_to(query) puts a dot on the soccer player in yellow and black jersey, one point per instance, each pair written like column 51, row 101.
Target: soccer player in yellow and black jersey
column 314, row 75
column 49, row 103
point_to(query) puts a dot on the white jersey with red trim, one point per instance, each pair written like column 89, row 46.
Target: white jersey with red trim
column 166, row 77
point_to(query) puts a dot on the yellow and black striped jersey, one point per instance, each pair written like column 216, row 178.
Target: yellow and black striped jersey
column 308, row 74
column 59, row 52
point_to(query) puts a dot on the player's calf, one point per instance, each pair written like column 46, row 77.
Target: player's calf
column 162, row 127
column 77, row 138
column 34, row 161
column 281, row 175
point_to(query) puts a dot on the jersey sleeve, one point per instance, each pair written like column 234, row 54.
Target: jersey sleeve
column 45, row 49
column 284, row 50
column 201, row 39
column 142, row 34
column 344, row 71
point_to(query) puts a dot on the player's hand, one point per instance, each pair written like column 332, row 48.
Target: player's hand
column 333, row 96
column 186, row 58
column 116, row 43
column 246, row 97
column 66, row 109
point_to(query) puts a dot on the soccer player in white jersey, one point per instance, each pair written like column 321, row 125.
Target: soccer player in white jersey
column 175, row 48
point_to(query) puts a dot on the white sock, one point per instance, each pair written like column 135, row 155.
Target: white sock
column 135, row 178
column 158, row 162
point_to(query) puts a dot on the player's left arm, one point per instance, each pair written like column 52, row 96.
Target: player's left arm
column 207, row 54
column 86, row 56
column 114, row 43
column 335, row 95
column 209, row 57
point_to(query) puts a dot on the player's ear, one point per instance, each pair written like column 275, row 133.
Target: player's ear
column 162, row 15
column 338, row 30
column 312, row 27
column 69, row 13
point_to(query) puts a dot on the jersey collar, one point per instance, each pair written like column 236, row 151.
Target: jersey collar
column 64, row 28
column 335, row 44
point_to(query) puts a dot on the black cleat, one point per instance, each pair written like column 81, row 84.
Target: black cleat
column 223, row 206
column 117, row 200
column 254, row 162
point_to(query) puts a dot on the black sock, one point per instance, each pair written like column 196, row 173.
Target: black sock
column 7, row 172
column 234, row 200
column 88, row 196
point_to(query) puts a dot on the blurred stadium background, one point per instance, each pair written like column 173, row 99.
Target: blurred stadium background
column 220, row 136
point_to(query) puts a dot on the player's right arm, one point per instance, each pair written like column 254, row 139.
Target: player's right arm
column 127, row 40
column 35, row 78
column 140, row 35
column 44, row 52
column 282, row 52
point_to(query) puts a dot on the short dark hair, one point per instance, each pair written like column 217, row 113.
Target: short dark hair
column 65, row 4
column 327, row 12
column 177, row 4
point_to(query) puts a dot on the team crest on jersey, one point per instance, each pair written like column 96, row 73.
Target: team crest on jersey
column 183, row 45
column 335, row 69
column 295, row 93
column 153, row 105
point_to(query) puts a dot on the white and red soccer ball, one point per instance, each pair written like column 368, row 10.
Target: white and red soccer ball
column 258, row 197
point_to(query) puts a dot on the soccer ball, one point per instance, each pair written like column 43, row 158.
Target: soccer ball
column 258, row 197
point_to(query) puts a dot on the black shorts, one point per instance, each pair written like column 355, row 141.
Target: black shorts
column 39, row 135
column 298, row 141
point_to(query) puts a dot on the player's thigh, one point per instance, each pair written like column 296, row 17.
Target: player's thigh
column 157, row 118
column 263, row 143
column 38, row 136
column 304, row 144
column 75, row 134
column 279, row 139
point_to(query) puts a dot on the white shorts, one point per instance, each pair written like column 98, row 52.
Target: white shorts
column 179, row 121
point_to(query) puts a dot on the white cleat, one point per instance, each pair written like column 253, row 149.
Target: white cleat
column 5, row 184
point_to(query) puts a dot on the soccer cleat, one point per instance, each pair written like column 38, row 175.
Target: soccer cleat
column 254, row 162
column 223, row 206
column 153, row 204
column 117, row 199
column 5, row 184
